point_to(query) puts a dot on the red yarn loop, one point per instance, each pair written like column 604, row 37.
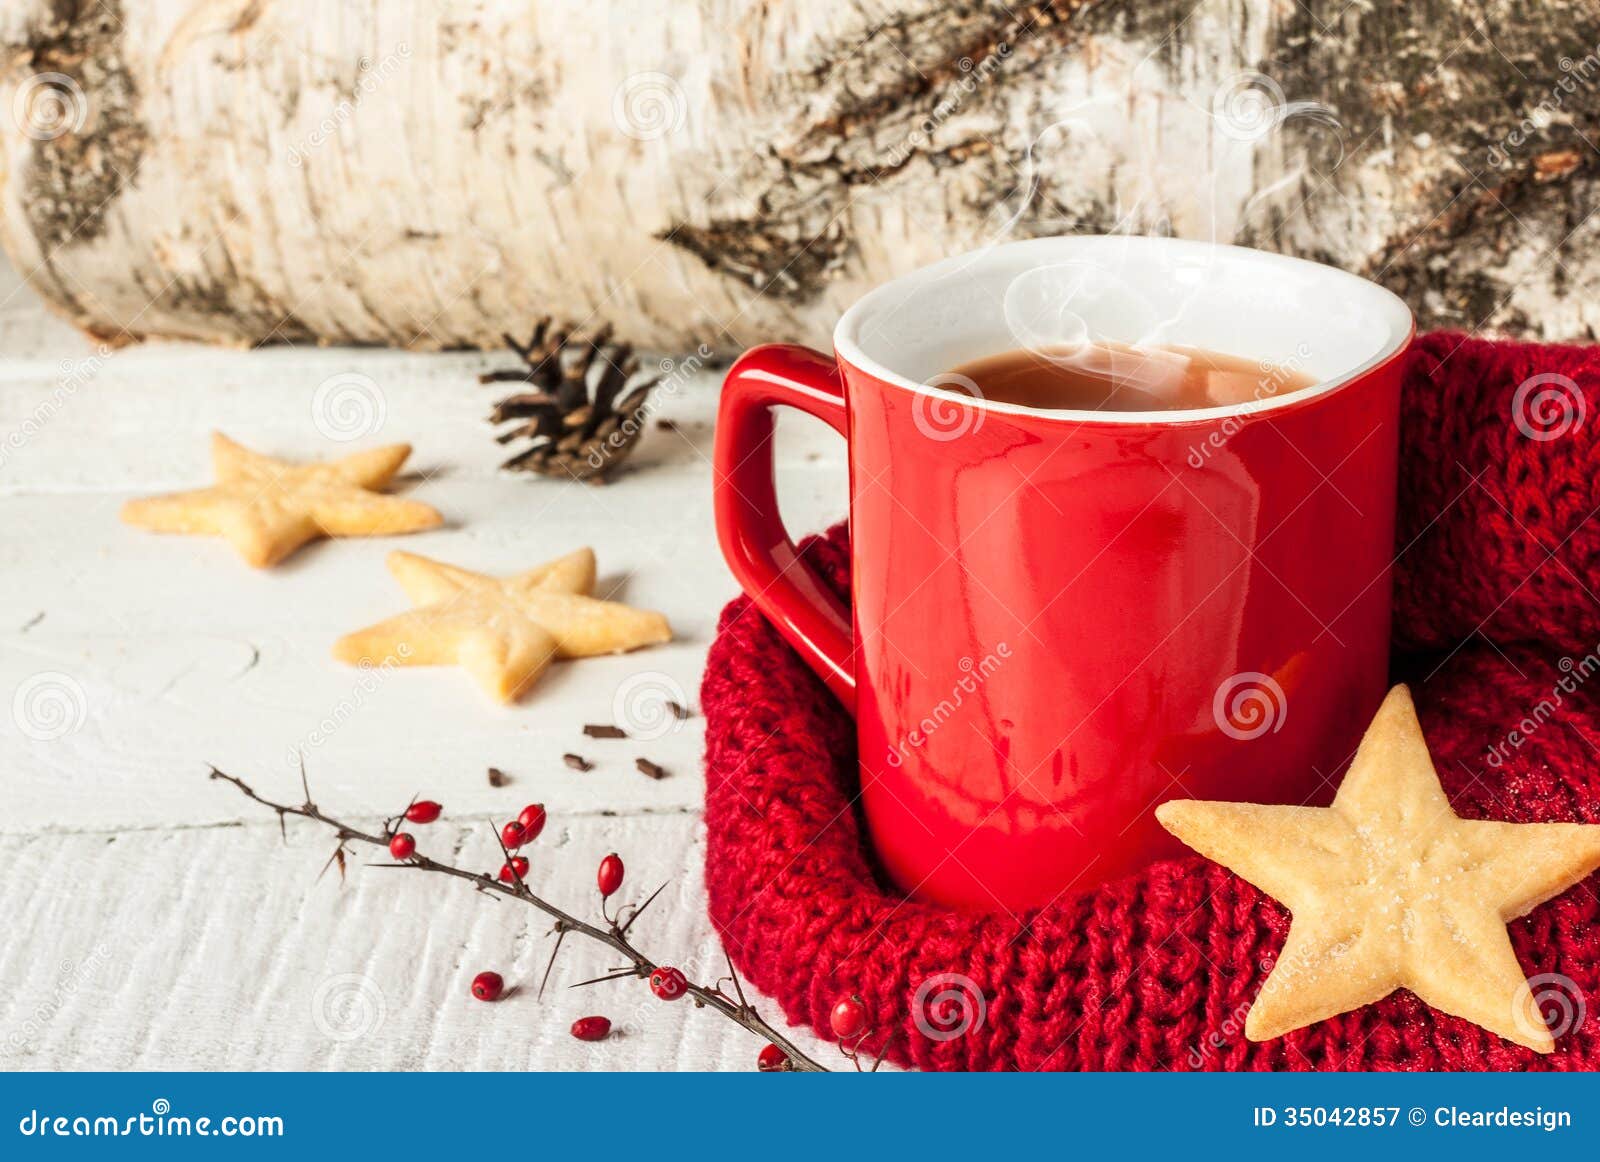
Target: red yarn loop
column 1499, row 544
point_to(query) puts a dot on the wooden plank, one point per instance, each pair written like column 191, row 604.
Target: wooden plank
column 166, row 653
column 147, row 930
column 218, row 948
column 74, row 417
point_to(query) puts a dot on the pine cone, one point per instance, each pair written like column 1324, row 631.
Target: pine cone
column 582, row 414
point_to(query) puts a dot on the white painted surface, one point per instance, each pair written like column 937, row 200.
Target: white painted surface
column 155, row 919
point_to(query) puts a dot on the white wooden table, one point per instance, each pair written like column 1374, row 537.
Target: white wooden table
column 154, row 919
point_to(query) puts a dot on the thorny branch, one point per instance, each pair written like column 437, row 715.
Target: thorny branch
column 614, row 935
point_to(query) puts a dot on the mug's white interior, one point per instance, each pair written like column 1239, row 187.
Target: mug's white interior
column 1277, row 311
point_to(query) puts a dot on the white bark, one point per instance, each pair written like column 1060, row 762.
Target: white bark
column 430, row 174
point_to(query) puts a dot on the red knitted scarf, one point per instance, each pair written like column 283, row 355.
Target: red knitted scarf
column 1496, row 602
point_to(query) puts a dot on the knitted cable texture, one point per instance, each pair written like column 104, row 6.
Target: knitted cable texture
column 1496, row 607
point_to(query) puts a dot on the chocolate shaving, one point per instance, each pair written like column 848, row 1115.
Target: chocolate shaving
column 646, row 767
column 601, row 731
column 577, row 762
column 497, row 777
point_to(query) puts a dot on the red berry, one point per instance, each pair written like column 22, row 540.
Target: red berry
column 487, row 986
column 849, row 1018
column 772, row 1059
column 610, row 875
column 516, row 870
column 512, row 835
column 591, row 1028
column 402, row 845
column 423, row 811
column 532, row 820
column 668, row 983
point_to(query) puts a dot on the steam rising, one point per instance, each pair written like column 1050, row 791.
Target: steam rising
column 1050, row 310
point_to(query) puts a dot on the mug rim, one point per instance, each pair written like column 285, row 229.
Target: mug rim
column 1402, row 328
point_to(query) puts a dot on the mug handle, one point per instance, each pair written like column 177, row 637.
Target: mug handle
column 754, row 542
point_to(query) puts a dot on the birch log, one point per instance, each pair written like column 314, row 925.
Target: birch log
column 429, row 174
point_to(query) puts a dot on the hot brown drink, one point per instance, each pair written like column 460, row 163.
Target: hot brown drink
column 1116, row 378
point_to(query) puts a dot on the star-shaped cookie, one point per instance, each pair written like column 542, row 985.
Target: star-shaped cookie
column 503, row 631
column 267, row 508
column 1388, row 888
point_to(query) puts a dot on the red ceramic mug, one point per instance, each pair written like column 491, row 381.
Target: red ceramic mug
column 1060, row 619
